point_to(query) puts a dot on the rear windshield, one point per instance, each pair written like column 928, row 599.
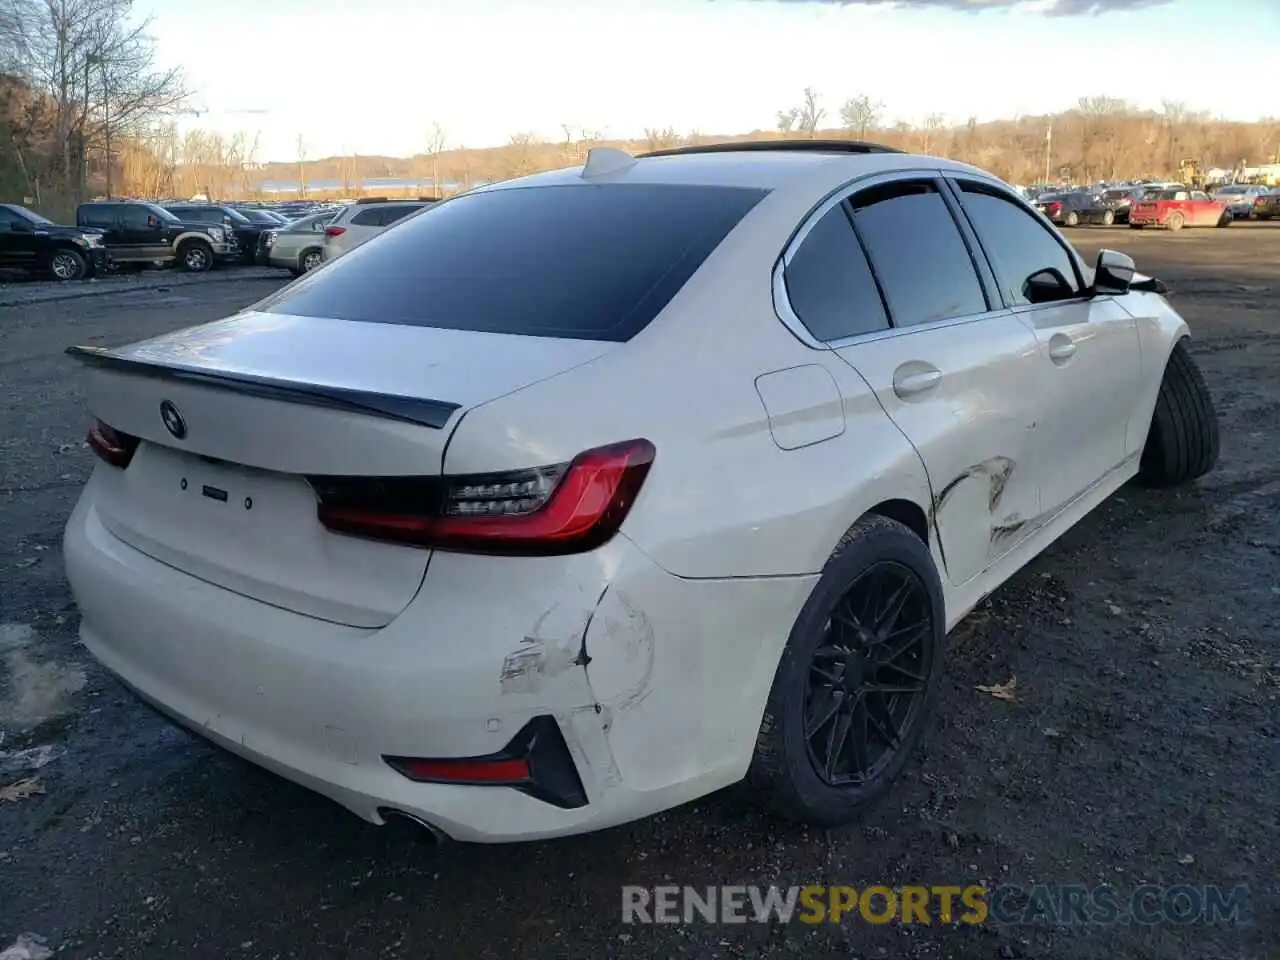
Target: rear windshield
column 592, row 262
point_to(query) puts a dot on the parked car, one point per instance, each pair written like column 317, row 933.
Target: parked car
column 1120, row 200
column 245, row 231
column 1240, row 198
column 1075, row 207
column 363, row 220
column 419, row 532
column 296, row 247
column 1267, row 205
column 1175, row 209
column 136, row 232
column 37, row 245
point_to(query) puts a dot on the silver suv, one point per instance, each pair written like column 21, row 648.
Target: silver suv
column 364, row 220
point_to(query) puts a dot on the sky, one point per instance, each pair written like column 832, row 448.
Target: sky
column 375, row 76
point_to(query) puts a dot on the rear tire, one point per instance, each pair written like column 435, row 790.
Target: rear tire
column 837, row 647
column 1182, row 442
column 1226, row 219
column 67, row 264
column 195, row 256
column 308, row 260
column 1072, row 219
column 1175, row 222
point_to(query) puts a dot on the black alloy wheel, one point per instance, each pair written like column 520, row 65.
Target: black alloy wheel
column 869, row 675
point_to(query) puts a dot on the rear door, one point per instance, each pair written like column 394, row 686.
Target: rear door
column 1087, row 366
column 955, row 371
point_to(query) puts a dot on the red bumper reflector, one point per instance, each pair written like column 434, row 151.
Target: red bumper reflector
column 467, row 771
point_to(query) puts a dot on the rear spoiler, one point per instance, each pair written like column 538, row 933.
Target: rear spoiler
column 425, row 413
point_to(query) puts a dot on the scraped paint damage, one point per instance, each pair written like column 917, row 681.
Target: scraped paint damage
column 612, row 643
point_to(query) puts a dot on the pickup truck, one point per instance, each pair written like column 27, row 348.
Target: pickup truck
column 134, row 231
column 30, row 243
column 1175, row 209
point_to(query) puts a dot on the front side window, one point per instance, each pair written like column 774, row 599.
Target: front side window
column 1015, row 242
column 829, row 282
column 917, row 252
column 135, row 217
column 589, row 261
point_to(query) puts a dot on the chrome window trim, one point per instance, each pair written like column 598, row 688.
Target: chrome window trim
column 782, row 302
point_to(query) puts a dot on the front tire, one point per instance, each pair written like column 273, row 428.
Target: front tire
column 857, row 682
column 1182, row 442
column 67, row 264
column 1108, row 218
column 195, row 256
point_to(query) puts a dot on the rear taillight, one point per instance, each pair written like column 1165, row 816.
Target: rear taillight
column 112, row 445
column 334, row 231
column 1259, row 201
column 565, row 508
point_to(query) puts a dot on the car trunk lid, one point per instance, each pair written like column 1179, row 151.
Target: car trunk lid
column 234, row 416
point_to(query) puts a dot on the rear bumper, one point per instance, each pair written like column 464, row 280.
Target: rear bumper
column 664, row 706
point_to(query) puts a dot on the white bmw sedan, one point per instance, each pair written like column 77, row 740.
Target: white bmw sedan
column 585, row 494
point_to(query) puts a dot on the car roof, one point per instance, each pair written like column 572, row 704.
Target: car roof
column 756, row 168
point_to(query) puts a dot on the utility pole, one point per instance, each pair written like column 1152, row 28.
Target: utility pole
column 1048, row 151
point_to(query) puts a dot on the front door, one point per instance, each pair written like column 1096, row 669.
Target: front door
column 1087, row 366
column 955, row 372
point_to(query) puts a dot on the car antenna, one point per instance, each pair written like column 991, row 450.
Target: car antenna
column 605, row 160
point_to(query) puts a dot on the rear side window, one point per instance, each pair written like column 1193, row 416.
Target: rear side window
column 98, row 216
column 371, row 217
column 1016, row 243
column 391, row 214
column 589, row 261
column 829, row 283
column 918, row 253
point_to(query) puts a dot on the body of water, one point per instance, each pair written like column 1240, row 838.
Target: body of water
column 367, row 185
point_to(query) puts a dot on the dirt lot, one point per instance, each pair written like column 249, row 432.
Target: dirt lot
column 1142, row 746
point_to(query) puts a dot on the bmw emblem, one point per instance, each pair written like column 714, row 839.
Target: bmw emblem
column 173, row 421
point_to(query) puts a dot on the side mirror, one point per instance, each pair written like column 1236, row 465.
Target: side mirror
column 1047, row 286
column 1113, row 274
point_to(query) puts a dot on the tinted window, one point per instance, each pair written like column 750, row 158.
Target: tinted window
column 1016, row 243
column 257, row 216
column 135, row 218
column 160, row 212
column 368, row 218
column 391, row 214
column 197, row 214
column 592, row 261
column 8, row 218
column 829, row 283
column 94, row 215
column 917, row 252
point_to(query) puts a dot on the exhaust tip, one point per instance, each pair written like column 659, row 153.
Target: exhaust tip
column 437, row 835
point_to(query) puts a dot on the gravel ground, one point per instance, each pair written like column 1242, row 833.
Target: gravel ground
column 1141, row 746
column 19, row 291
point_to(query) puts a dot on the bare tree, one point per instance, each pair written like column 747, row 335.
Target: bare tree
column 95, row 64
column 436, row 141
column 661, row 139
column 804, row 117
column 861, row 115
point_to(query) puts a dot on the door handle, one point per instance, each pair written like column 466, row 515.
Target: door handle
column 1061, row 349
column 916, row 383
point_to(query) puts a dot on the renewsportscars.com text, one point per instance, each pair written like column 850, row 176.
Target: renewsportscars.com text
column 1009, row 904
